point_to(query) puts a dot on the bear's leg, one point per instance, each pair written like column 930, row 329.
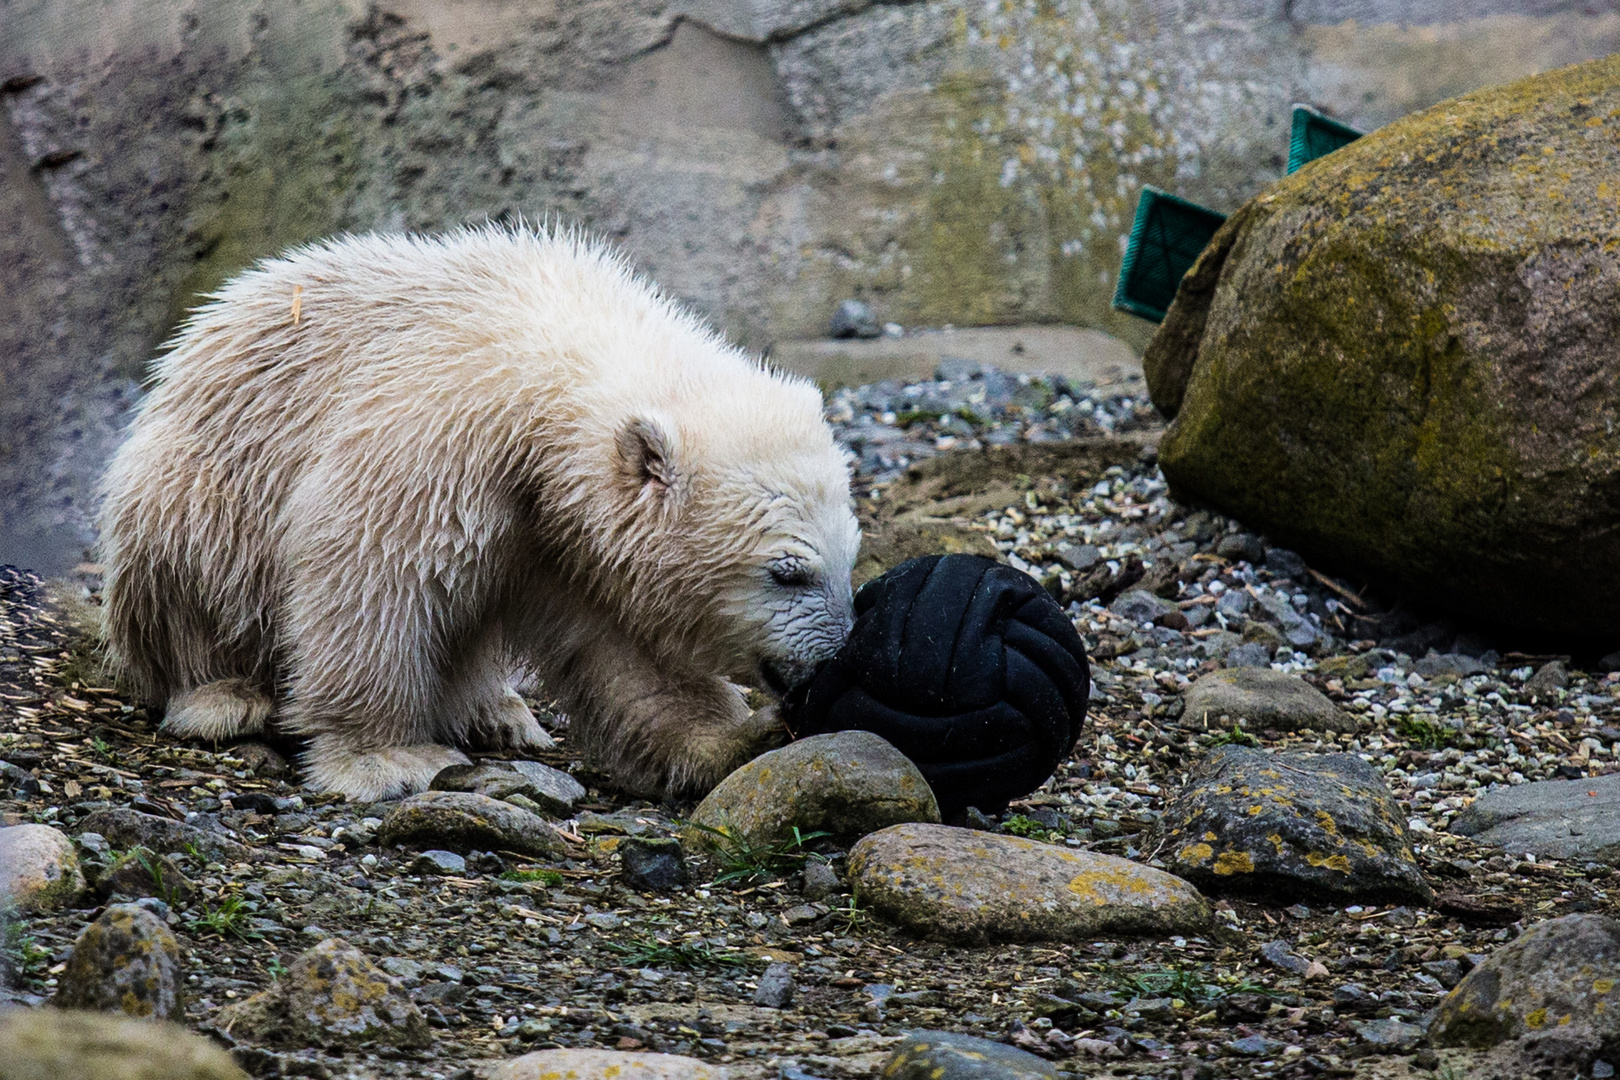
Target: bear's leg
column 494, row 716
column 223, row 709
column 658, row 733
column 334, row 763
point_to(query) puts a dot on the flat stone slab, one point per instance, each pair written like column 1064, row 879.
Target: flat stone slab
column 848, row 783
column 965, row 885
column 1559, row 819
column 603, row 1065
column 553, row 790
column 125, row 828
column 945, row 1055
column 1253, row 821
column 464, row 821
column 1260, row 699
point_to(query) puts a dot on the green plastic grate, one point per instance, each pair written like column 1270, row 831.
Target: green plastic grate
column 1314, row 135
column 1167, row 238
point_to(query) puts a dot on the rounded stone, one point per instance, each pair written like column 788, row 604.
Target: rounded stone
column 945, row 1055
column 1561, row 975
column 848, row 783
column 652, row 864
column 126, row 961
column 55, row 1044
column 39, row 869
column 970, row 886
column 553, row 790
column 466, row 821
column 1400, row 359
column 604, row 1065
column 331, row 995
column 1262, row 699
column 1252, row 821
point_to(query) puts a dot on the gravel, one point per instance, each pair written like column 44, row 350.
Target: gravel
column 512, row 954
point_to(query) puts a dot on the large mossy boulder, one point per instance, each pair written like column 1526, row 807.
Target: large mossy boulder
column 1403, row 361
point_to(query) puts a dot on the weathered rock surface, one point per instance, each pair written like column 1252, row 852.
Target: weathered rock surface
column 126, row 961
column 331, row 995
column 125, row 828
column 1400, row 359
column 603, row 1065
column 1559, row 819
column 143, row 872
column 965, row 885
column 653, row 864
column 1251, row 820
column 58, row 1044
column 849, row 783
column 466, row 821
column 38, row 868
column 1555, row 991
column 945, row 1055
column 553, row 790
column 1260, row 698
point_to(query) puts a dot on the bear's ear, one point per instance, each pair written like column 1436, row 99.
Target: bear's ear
column 647, row 456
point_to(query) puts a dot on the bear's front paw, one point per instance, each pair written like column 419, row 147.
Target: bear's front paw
column 508, row 724
column 369, row 774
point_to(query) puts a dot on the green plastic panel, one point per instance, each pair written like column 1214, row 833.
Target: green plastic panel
column 1166, row 240
column 1314, row 135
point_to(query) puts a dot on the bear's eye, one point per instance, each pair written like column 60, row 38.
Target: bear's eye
column 792, row 573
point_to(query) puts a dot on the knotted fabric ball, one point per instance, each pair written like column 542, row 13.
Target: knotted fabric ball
column 967, row 667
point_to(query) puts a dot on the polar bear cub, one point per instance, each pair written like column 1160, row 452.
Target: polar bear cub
column 380, row 477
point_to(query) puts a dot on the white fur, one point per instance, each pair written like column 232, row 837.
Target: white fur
column 469, row 454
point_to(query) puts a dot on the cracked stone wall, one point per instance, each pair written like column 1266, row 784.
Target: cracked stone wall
column 969, row 162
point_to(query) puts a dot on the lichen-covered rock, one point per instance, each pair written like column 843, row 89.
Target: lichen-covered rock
column 126, row 961
column 143, row 872
column 1400, row 359
column 465, row 821
column 1289, row 823
column 1260, row 698
column 848, row 783
column 603, row 1065
column 125, row 828
column 39, row 869
column 945, row 1055
column 58, row 1044
column 1560, row 981
column 331, row 995
column 965, row 885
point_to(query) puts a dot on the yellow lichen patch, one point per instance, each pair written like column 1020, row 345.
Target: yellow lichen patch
column 1210, row 835
column 1278, row 843
column 1536, row 1020
column 1197, row 854
column 1234, row 862
column 1340, row 863
column 1602, row 986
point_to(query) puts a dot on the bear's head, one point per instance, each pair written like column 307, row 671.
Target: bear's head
column 745, row 532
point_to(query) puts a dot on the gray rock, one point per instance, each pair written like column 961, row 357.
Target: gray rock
column 1553, row 991
column 465, row 821
column 1458, row 664
column 1250, row 654
column 1282, row 956
column 1241, row 547
column 604, row 920
column 1389, row 1035
column 1234, row 603
column 1253, row 1046
column 331, row 995
column 1560, row 819
column 653, row 864
column 1079, row 557
column 130, row 828
column 62, row 1044
column 849, row 783
column 775, row 989
column 551, row 790
column 1296, row 629
column 438, row 862
column 125, row 961
column 966, row 885
column 854, row 319
column 1289, row 824
column 18, row 781
column 1550, row 678
column 944, row 1055
column 604, row 1065
column 819, row 879
column 144, row 873
column 1261, row 698
column 1140, row 606
column 39, row 869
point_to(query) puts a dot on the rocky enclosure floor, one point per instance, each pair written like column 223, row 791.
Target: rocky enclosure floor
column 506, row 954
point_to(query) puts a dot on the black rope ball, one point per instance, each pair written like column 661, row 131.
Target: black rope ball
column 967, row 667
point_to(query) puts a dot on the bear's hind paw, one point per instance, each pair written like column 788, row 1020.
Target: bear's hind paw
column 384, row 772
column 225, row 709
